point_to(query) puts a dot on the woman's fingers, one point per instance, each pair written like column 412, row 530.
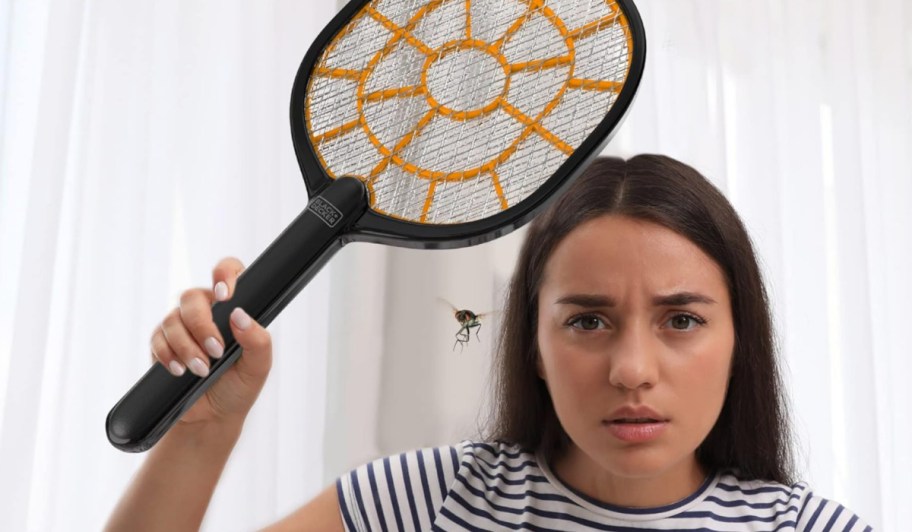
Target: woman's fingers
column 162, row 353
column 187, row 337
column 171, row 346
column 189, row 334
column 256, row 345
column 224, row 277
column 196, row 315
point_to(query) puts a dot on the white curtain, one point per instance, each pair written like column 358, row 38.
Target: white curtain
column 140, row 143
column 801, row 112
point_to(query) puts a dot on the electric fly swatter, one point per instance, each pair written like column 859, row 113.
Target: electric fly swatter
column 424, row 124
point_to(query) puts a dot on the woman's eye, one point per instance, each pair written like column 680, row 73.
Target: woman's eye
column 680, row 322
column 587, row 323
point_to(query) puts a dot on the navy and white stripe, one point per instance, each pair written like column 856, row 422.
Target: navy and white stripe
column 493, row 486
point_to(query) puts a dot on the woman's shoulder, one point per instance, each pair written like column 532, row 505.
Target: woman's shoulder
column 806, row 509
column 407, row 489
column 494, row 451
column 496, row 462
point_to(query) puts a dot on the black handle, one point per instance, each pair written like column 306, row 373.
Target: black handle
column 157, row 401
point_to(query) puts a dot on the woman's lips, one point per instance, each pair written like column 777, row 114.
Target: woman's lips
column 636, row 431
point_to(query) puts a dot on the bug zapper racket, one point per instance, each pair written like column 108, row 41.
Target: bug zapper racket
column 424, row 124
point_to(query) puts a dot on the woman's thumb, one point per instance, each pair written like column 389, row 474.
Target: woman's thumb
column 256, row 345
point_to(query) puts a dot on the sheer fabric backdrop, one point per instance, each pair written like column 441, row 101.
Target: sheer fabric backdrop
column 800, row 113
column 140, row 144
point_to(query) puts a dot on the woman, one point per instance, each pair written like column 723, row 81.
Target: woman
column 637, row 387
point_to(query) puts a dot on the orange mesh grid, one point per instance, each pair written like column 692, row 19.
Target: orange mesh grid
column 392, row 155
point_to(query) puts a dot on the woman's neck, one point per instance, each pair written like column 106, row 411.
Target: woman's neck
column 583, row 474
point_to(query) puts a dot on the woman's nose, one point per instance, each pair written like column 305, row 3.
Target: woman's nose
column 634, row 361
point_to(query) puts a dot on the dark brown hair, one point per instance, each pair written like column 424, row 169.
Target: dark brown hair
column 752, row 434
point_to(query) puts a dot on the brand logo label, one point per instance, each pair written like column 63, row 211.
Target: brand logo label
column 326, row 211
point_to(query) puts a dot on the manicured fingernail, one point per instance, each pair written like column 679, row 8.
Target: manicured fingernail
column 176, row 368
column 198, row 367
column 240, row 318
column 213, row 347
column 221, row 291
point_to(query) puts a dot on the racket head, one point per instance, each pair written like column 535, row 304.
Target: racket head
column 393, row 229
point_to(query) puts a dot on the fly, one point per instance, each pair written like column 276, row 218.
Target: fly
column 468, row 320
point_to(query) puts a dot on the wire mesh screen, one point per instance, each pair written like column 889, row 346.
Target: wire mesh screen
column 453, row 110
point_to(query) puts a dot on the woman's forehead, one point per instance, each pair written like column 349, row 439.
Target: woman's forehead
column 619, row 253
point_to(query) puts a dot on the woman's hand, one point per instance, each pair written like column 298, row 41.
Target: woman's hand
column 187, row 337
column 175, row 483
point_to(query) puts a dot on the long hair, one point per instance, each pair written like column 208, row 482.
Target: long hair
column 752, row 434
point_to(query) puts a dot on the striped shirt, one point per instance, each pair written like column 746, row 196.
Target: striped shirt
column 495, row 486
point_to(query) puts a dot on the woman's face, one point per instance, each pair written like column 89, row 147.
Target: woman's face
column 633, row 314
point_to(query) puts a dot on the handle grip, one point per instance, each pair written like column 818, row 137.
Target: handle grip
column 152, row 406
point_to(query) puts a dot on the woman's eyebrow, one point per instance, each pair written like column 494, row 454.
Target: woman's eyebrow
column 681, row 298
column 670, row 300
column 586, row 300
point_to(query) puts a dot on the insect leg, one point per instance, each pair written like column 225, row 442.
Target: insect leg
column 462, row 336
